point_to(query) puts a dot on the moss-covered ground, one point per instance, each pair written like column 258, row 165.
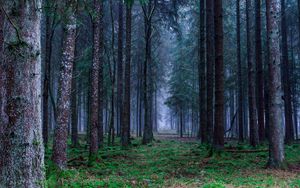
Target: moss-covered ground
column 170, row 163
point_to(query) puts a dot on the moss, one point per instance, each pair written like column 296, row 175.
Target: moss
column 170, row 164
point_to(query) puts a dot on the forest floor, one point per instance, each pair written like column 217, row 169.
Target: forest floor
column 173, row 162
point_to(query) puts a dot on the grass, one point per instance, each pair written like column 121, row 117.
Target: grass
column 172, row 164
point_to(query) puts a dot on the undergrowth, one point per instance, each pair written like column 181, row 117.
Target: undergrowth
column 172, row 164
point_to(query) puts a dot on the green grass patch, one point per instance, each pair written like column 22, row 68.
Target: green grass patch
column 171, row 164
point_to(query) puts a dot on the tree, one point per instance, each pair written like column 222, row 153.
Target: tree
column 95, row 82
column 259, row 72
column 120, row 68
column 22, row 158
column 202, row 75
column 126, row 108
column 289, row 130
column 276, row 148
column 101, row 73
column 148, row 11
column 240, row 82
column 210, row 68
column 59, row 155
column 254, row 138
column 218, row 141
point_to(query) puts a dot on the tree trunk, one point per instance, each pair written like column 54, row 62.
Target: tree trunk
column 3, row 116
column 120, row 69
column 74, row 106
column 47, row 71
column 210, row 68
column 148, row 14
column 218, row 142
column 59, row 155
column 22, row 158
column 127, row 98
column 288, row 113
column 101, row 73
column 276, row 138
column 254, row 137
column 259, row 72
column 240, row 82
column 202, row 77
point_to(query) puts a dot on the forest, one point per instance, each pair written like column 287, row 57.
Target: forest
column 149, row 93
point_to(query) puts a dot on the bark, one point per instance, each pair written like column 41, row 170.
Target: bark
column 254, row 137
column 127, row 98
column 101, row 76
column 202, row 76
column 74, row 120
column 148, row 11
column 210, row 68
column 240, row 82
column 3, row 117
column 59, row 155
column 276, row 138
column 120, row 68
column 294, row 85
column 259, row 72
column 111, row 132
column 288, row 113
column 22, row 158
column 218, row 141
column 95, row 83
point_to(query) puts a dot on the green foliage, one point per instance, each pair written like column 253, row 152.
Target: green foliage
column 169, row 164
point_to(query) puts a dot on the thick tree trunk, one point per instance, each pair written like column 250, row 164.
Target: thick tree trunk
column 254, row 137
column 240, row 82
column 276, row 138
column 210, row 68
column 59, row 155
column 218, row 141
column 126, row 108
column 259, row 72
column 22, row 158
column 289, row 130
column 202, row 77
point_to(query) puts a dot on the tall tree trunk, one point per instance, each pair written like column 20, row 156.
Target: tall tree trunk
column 276, row 138
column 126, row 108
column 254, row 137
column 259, row 72
column 240, row 82
column 101, row 72
column 120, row 69
column 288, row 113
column 95, row 83
column 22, row 158
column 47, row 70
column 148, row 11
column 218, row 141
column 202, row 77
column 3, row 117
column 210, row 68
column 266, row 79
column 59, row 155
column 294, row 85
column 74, row 107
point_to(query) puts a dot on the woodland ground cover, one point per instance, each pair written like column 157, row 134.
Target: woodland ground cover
column 174, row 163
